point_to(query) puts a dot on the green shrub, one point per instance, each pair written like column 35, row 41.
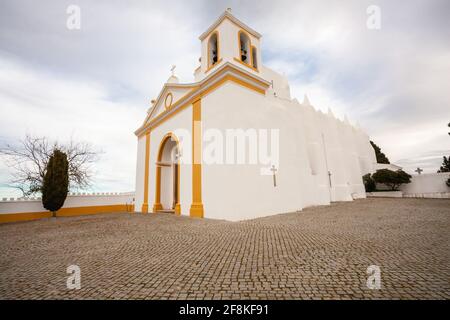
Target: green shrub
column 369, row 183
column 392, row 179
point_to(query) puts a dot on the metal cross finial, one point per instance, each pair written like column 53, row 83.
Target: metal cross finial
column 173, row 69
column 418, row 170
column 274, row 171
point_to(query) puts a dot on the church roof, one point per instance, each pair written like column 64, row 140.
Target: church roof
column 227, row 15
column 226, row 72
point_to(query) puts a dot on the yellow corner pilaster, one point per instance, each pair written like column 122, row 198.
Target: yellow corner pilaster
column 146, row 172
column 178, row 209
column 197, row 205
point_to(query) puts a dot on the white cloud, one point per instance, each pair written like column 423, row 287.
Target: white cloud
column 96, row 83
column 39, row 104
column 393, row 81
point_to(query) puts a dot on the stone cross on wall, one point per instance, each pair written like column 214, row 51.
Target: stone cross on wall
column 274, row 171
column 329, row 178
column 418, row 170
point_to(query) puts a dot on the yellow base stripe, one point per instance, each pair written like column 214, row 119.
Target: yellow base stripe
column 65, row 212
column 78, row 211
column 26, row 216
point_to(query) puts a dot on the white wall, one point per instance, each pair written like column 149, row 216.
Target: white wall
column 239, row 191
column 72, row 201
column 311, row 145
column 280, row 87
column 426, row 183
column 140, row 169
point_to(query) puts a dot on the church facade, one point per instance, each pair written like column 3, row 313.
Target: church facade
column 234, row 145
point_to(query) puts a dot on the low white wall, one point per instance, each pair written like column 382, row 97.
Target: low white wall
column 385, row 194
column 19, row 205
column 427, row 183
column 434, row 195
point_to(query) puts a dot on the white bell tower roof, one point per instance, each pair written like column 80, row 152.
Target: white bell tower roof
column 227, row 15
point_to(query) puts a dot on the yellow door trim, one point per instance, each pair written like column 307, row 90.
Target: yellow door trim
column 157, row 205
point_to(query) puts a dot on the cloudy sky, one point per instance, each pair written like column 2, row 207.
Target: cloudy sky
column 95, row 84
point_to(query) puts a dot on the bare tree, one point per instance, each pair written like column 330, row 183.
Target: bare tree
column 29, row 159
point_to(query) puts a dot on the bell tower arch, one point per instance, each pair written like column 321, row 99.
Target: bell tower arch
column 229, row 40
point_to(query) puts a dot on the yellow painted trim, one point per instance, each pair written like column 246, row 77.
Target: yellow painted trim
column 157, row 205
column 146, row 172
column 178, row 209
column 210, row 65
column 244, row 64
column 26, row 216
column 195, row 88
column 214, row 65
column 246, row 85
column 78, row 211
column 155, row 122
column 166, row 88
column 167, row 104
column 162, row 114
column 253, row 59
column 249, row 65
column 66, row 212
column 197, row 205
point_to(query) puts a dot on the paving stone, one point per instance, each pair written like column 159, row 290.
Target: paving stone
column 319, row 253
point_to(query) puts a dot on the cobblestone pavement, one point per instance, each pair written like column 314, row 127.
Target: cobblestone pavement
column 319, row 253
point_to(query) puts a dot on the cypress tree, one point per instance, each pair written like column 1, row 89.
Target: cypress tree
column 381, row 157
column 445, row 165
column 56, row 182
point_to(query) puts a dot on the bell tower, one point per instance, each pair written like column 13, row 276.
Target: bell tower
column 229, row 40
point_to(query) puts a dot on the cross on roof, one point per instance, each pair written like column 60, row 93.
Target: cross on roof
column 418, row 170
column 173, row 69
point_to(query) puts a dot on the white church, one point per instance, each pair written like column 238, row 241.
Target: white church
column 235, row 145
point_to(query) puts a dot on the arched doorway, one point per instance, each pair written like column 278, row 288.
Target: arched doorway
column 167, row 195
